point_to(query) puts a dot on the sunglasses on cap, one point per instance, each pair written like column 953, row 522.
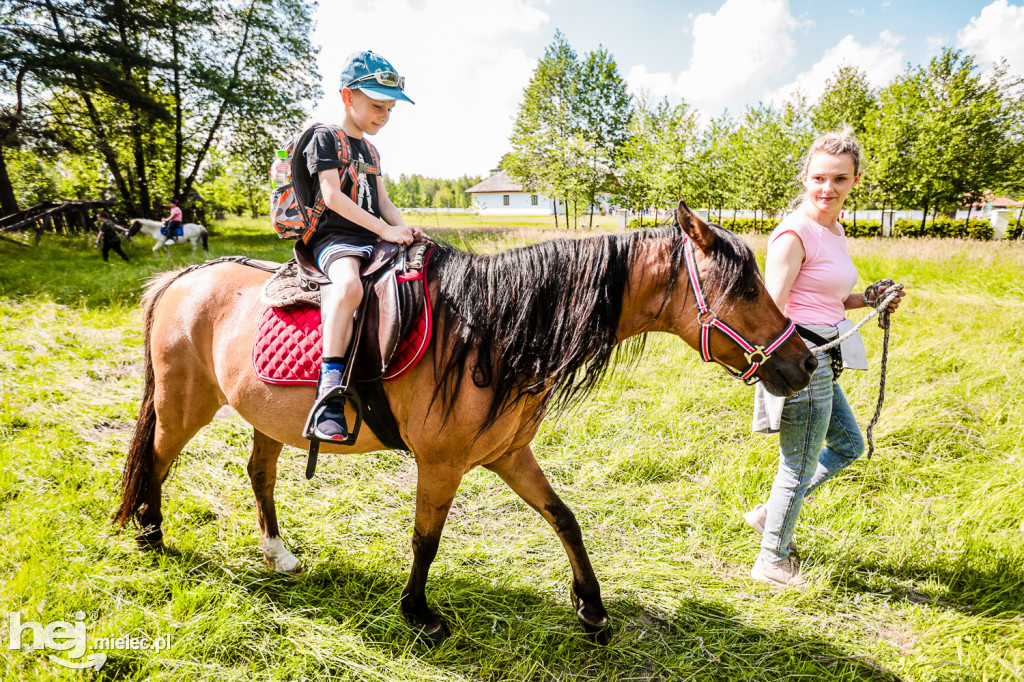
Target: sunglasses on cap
column 388, row 79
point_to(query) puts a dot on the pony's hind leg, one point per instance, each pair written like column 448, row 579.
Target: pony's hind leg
column 521, row 472
column 263, row 475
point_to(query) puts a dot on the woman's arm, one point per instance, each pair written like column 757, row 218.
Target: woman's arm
column 782, row 265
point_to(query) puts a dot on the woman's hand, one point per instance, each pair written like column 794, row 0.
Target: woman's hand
column 893, row 304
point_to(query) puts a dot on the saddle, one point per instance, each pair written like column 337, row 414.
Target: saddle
column 394, row 294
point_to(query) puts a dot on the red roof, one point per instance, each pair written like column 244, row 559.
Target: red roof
column 997, row 202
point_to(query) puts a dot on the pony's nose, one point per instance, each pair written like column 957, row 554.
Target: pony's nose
column 811, row 364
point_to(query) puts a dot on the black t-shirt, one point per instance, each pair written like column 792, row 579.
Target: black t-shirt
column 322, row 154
column 110, row 234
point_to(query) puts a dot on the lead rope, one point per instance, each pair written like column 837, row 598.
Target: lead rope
column 884, row 323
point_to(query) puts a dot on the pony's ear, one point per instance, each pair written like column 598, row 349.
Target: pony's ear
column 694, row 227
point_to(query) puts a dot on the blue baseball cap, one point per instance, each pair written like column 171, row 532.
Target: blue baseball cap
column 374, row 75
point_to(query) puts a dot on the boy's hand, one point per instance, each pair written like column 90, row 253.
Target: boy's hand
column 401, row 234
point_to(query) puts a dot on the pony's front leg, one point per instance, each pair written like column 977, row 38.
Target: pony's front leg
column 521, row 472
column 263, row 475
column 156, row 249
column 435, row 490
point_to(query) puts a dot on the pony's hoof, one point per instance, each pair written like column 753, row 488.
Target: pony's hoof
column 433, row 635
column 289, row 566
column 151, row 539
column 601, row 635
column 597, row 628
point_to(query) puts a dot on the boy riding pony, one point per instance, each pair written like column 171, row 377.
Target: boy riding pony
column 358, row 215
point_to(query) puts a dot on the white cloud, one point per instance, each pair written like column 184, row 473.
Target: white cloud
column 996, row 33
column 464, row 67
column 880, row 61
column 741, row 44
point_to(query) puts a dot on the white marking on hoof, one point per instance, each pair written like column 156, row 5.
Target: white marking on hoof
column 278, row 558
column 599, row 624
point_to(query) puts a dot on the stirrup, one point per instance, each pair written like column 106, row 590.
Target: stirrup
column 314, row 442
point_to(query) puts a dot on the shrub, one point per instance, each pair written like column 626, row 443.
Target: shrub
column 943, row 226
column 1015, row 230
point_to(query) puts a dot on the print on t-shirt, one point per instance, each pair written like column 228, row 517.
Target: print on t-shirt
column 365, row 199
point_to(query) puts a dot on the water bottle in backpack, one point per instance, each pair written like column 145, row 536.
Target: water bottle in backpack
column 281, row 169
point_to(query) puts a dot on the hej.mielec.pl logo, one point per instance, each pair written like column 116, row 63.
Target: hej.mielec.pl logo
column 62, row 635
column 59, row 635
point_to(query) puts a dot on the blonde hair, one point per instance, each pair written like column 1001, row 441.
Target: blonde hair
column 837, row 143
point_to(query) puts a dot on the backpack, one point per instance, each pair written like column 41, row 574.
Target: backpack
column 297, row 206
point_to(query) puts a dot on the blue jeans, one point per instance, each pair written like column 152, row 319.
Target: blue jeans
column 819, row 414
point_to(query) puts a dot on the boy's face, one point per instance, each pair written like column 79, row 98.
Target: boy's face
column 368, row 114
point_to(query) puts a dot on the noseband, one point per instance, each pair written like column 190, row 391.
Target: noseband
column 755, row 355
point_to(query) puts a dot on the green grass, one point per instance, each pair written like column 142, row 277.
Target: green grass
column 915, row 558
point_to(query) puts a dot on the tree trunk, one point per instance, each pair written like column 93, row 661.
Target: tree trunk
column 8, row 202
column 179, row 140
column 101, row 134
column 1017, row 224
column 136, row 126
column 924, row 217
column 201, row 154
column 554, row 204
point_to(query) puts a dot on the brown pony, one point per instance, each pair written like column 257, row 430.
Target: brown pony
column 517, row 334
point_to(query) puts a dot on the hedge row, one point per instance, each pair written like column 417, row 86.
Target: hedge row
column 940, row 227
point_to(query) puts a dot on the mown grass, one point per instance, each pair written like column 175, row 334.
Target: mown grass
column 915, row 557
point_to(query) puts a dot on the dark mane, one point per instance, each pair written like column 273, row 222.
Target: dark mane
column 542, row 318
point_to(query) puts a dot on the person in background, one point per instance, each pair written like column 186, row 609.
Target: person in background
column 172, row 223
column 108, row 238
column 810, row 276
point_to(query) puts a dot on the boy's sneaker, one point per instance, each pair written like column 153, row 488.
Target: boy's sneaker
column 756, row 518
column 786, row 574
column 330, row 422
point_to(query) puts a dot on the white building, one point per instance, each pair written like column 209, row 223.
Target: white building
column 501, row 195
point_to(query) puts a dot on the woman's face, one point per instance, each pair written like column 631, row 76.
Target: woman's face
column 828, row 180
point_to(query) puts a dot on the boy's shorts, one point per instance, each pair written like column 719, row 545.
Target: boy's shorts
column 332, row 248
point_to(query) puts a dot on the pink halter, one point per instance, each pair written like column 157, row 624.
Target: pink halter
column 755, row 355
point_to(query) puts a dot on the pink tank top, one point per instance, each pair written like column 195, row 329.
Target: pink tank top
column 175, row 213
column 826, row 277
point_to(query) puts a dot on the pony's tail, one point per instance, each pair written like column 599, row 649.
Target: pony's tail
column 206, row 240
column 138, row 468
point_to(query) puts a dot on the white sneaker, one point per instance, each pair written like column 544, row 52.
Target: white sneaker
column 169, row 242
column 756, row 518
column 786, row 574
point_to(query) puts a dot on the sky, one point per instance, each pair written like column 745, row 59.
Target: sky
column 466, row 62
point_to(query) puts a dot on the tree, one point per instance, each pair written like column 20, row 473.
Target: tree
column 771, row 147
column 714, row 165
column 942, row 135
column 675, row 136
column 603, row 106
column 639, row 160
column 151, row 87
column 846, row 101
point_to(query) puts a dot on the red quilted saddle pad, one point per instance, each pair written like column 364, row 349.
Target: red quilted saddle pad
column 289, row 345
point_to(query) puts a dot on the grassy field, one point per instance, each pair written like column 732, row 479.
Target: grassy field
column 915, row 558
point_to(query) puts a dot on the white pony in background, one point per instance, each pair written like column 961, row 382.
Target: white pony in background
column 192, row 232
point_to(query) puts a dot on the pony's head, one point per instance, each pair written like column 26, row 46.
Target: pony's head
column 134, row 228
column 738, row 324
